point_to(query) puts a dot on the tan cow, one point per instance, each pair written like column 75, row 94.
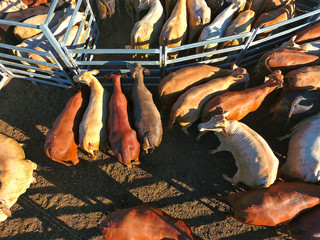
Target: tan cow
column 174, row 30
column 45, row 46
column 219, row 25
column 22, row 33
column 145, row 33
column 257, row 164
column 186, row 110
column 199, row 15
column 241, row 24
column 15, row 174
column 93, row 127
column 176, row 83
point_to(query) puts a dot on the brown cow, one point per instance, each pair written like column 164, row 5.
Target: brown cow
column 271, row 5
column 146, row 115
column 63, row 138
column 306, row 225
column 17, row 5
column 239, row 25
column 144, row 222
column 274, row 205
column 310, row 34
column 15, row 174
column 240, row 103
column 306, row 78
column 187, row 108
column 273, row 17
column 285, row 60
column 176, row 83
column 174, row 31
column 122, row 138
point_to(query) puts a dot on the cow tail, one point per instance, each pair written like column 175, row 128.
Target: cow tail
column 173, row 117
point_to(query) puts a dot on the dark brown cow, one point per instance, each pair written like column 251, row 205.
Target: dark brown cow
column 63, row 138
column 240, row 103
column 274, row 205
column 144, row 223
column 122, row 138
column 307, row 225
column 146, row 115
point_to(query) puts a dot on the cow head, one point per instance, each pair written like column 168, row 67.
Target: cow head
column 241, row 75
column 217, row 123
column 144, row 5
column 137, row 68
column 85, row 77
column 275, row 79
column 4, row 210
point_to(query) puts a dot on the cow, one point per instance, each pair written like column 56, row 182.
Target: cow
column 308, row 47
column 146, row 115
column 145, row 33
column 283, row 59
column 295, row 106
column 216, row 6
column 106, row 8
column 241, row 24
column 45, row 46
column 303, row 158
column 174, row 84
column 199, row 15
column 132, row 9
column 63, row 138
column 257, row 164
column 219, row 25
column 309, row 34
column 93, row 127
column 22, row 33
column 277, row 204
column 305, row 78
column 122, row 138
column 15, row 174
column 144, row 222
column 7, row 6
column 271, row 5
column 306, row 225
column 174, row 30
column 186, row 110
column 57, row 30
column 241, row 103
column 273, row 17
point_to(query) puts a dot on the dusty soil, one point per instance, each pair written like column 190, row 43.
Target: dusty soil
column 180, row 177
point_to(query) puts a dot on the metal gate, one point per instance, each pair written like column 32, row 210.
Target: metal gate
column 59, row 70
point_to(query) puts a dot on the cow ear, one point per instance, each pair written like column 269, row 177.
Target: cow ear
column 234, row 66
column 226, row 114
column 94, row 72
column 146, row 71
column 5, row 208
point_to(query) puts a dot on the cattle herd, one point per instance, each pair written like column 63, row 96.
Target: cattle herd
column 95, row 119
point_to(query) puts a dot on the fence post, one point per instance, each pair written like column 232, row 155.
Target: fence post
column 247, row 44
column 5, row 74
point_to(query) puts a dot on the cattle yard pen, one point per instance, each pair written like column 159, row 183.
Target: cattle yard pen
column 86, row 56
column 61, row 68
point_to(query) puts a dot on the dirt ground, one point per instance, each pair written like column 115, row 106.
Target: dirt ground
column 179, row 177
